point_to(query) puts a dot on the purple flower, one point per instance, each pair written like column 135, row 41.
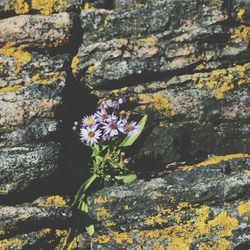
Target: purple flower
column 89, row 121
column 115, row 104
column 91, row 135
column 111, row 126
column 128, row 128
column 101, row 115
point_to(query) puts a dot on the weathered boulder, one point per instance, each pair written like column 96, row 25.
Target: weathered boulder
column 195, row 207
column 189, row 71
column 36, row 31
column 22, row 166
column 31, row 84
column 38, row 224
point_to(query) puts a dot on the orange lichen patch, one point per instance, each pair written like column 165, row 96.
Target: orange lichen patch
column 90, row 69
column 102, row 200
column 53, row 201
column 102, row 213
column 157, row 101
column 74, row 64
column 244, row 207
column 215, row 160
column 221, row 80
column 242, row 33
column 47, row 7
column 215, row 245
column 10, row 89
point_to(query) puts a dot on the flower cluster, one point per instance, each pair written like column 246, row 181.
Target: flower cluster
column 107, row 123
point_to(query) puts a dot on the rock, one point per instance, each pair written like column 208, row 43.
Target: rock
column 45, row 7
column 188, row 71
column 22, row 166
column 36, row 31
column 196, row 206
column 38, row 224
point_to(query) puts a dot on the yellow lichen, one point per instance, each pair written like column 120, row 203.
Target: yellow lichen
column 12, row 243
column 109, row 224
column 19, row 6
column 158, row 246
column 53, row 201
column 147, row 40
column 102, row 213
column 74, row 64
column 116, row 92
column 242, row 33
column 215, row 245
column 101, row 239
column 10, row 88
column 215, row 160
column 244, row 207
column 88, row 7
column 157, row 101
column 121, row 238
column 222, row 80
column 18, row 54
column 101, row 200
column 47, row 7
column 240, row 15
column 126, row 207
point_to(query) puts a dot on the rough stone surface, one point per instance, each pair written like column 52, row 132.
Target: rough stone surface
column 201, row 205
column 192, row 70
column 184, row 63
column 22, row 166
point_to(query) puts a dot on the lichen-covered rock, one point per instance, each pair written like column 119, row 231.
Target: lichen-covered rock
column 38, row 224
column 36, row 31
column 189, row 71
column 22, row 166
column 44, row 7
column 202, row 205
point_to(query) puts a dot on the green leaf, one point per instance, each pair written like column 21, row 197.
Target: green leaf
column 90, row 229
column 129, row 140
column 126, row 178
column 81, row 191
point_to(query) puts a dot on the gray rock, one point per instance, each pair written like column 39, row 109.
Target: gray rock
column 36, row 31
column 201, row 205
column 22, row 166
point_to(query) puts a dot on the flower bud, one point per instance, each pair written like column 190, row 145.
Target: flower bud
column 122, row 154
column 115, row 104
column 126, row 161
column 120, row 101
column 75, row 123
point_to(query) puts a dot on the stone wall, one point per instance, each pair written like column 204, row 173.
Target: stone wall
column 184, row 63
